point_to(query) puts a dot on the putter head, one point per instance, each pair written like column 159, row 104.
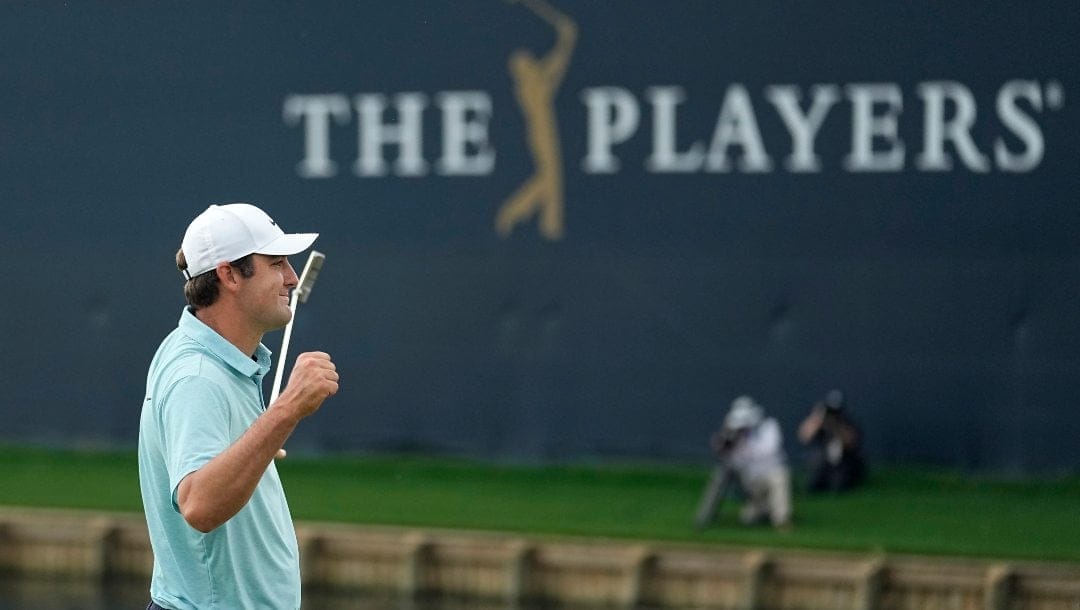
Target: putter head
column 310, row 274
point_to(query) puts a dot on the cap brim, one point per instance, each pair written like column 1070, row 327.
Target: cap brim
column 288, row 244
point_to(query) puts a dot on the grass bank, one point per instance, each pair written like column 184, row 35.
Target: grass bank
column 900, row 510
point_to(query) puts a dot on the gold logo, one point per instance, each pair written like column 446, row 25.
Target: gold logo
column 536, row 81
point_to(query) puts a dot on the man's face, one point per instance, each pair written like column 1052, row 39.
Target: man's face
column 265, row 295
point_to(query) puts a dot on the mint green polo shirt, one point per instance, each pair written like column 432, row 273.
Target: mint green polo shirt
column 202, row 393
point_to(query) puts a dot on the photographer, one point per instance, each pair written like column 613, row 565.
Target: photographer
column 750, row 448
column 834, row 458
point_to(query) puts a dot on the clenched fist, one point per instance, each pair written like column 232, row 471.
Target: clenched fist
column 313, row 379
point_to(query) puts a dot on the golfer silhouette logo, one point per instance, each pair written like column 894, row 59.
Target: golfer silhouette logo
column 535, row 83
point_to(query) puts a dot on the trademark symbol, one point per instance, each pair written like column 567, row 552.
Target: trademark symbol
column 1054, row 95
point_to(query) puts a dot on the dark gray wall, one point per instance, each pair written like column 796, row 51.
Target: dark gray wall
column 940, row 290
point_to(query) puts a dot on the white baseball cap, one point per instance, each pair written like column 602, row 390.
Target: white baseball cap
column 745, row 413
column 224, row 233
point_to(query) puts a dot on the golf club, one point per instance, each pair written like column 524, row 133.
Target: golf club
column 300, row 294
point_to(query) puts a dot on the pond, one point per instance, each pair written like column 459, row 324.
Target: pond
column 23, row 593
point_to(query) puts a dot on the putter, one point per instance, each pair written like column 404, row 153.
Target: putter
column 300, row 294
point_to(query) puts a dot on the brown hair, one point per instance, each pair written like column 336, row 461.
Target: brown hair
column 202, row 290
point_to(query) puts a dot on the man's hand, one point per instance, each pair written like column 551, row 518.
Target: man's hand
column 313, row 379
column 724, row 440
column 810, row 426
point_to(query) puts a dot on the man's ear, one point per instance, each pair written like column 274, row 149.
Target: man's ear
column 228, row 276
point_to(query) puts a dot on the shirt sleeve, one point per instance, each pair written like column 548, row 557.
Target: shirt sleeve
column 763, row 443
column 196, row 423
column 771, row 438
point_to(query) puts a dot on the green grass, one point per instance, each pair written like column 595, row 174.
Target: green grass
column 900, row 510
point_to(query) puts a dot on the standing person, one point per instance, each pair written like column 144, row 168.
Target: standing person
column 752, row 446
column 220, row 527
column 834, row 459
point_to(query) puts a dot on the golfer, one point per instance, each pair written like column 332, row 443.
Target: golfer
column 219, row 524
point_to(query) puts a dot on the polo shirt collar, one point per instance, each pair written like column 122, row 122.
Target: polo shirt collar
column 220, row 347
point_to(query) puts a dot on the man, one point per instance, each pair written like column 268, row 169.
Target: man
column 834, row 459
column 220, row 527
column 752, row 446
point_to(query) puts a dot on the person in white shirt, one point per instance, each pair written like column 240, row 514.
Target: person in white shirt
column 752, row 446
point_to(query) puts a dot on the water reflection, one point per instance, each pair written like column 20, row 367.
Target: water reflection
column 26, row 593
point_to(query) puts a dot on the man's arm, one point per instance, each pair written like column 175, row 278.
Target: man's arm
column 848, row 433
column 810, row 426
column 211, row 495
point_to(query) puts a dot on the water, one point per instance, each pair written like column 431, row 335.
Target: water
column 21, row 593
